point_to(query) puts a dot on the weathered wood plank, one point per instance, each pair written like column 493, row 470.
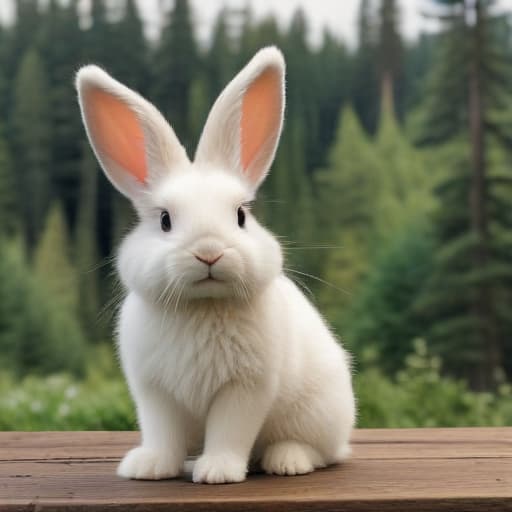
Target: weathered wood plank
column 420, row 470
column 367, row 443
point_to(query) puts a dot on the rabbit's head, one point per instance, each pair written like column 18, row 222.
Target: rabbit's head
column 196, row 237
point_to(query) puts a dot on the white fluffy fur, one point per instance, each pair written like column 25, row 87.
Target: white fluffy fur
column 235, row 369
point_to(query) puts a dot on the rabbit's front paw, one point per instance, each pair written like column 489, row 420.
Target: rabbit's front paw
column 219, row 469
column 147, row 464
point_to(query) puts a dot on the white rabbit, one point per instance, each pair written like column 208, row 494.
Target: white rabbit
column 223, row 354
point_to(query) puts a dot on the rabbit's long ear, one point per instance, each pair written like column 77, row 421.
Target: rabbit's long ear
column 244, row 125
column 133, row 142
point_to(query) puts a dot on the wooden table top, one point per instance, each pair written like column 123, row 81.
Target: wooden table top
column 466, row 469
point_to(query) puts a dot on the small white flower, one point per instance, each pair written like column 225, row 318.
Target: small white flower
column 12, row 401
column 63, row 409
column 71, row 392
column 36, row 406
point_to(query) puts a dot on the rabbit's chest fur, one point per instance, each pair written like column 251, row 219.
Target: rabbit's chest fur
column 193, row 353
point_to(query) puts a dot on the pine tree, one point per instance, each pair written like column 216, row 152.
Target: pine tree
column 129, row 63
column 52, row 263
column 220, row 59
column 86, row 252
column 37, row 335
column 129, row 47
column 176, row 67
column 331, row 70
column 418, row 59
column 100, row 46
column 470, row 290
column 382, row 316
column 4, row 79
column 18, row 39
column 61, row 23
column 405, row 185
column 32, row 133
column 365, row 82
column 370, row 195
column 9, row 216
column 285, row 205
column 199, row 107
column 390, row 50
column 348, row 191
column 99, row 36
column 256, row 34
column 301, row 83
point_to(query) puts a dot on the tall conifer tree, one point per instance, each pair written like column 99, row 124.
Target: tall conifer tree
column 470, row 292
column 220, row 58
column 390, row 50
column 60, row 23
column 348, row 194
column 175, row 68
column 32, row 133
column 331, row 70
column 52, row 260
column 365, row 82
column 86, row 250
column 9, row 214
column 129, row 47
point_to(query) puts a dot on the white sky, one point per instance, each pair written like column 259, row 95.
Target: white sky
column 339, row 15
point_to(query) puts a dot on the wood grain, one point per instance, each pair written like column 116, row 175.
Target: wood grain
column 399, row 470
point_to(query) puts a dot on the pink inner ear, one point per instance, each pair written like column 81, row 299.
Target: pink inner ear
column 117, row 132
column 261, row 114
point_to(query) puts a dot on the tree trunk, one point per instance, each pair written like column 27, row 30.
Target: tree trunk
column 483, row 307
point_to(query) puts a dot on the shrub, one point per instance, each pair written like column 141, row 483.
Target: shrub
column 61, row 402
column 37, row 334
column 418, row 396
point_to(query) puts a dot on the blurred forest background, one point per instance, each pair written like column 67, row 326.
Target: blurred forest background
column 392, row 190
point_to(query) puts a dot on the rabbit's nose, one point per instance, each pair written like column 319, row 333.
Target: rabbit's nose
column 209, row 260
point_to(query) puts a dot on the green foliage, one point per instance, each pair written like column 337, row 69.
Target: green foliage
column 390, row 50
column 349, row 195
column 219, row 60
column 61, row 23
column 383, row 316
column 59, row 402
column 419, row 396
column 331, row 69
column 8, row 204
column 287, row 200
column 37, row 334
column 404, row 183
column 129, row 49
column 32, row 129
column 301, row 94
column 417, row 60
column 380, row 189
column 470, row 282
column 364, row 89
column 175, row 68
column 198, row 108
column 52, row 264
column 350, row 180
column 86, row 250
column 98, row 36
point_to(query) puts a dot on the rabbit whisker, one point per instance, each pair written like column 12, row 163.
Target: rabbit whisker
column 319, row 280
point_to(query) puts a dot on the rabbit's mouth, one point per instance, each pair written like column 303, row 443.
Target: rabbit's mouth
column 209, row 279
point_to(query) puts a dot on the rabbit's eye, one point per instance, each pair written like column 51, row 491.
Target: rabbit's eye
column 241, row 217
column 165, row 221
